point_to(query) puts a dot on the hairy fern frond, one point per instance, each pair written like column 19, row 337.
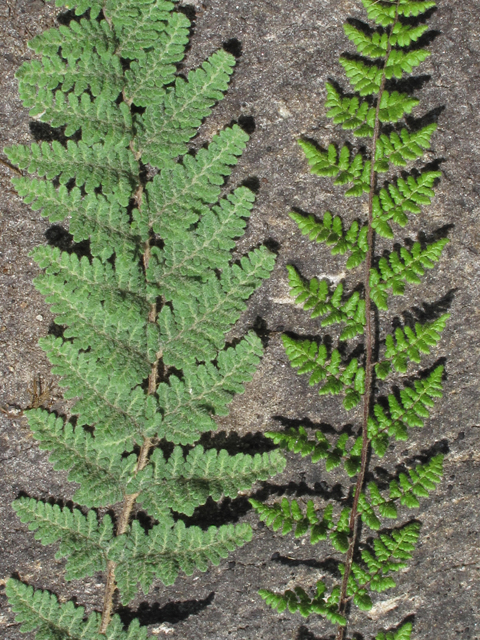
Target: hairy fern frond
column 40, row 611
column 145, row 315
column 376, row 112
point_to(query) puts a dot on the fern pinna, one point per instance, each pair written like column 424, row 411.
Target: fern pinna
column 375, row 113
column 145, row 316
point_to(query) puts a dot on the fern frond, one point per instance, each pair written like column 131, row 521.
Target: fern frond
column 404, row 34
column 395, row 202
column 40, row 611
column 91, row 166
column 314, row 295
column 414, row 8
column 297, row 440
column 333, row 164
column 403, row 148
column 137, row 24
column 393, row 106
column 112, row 331
column 288, row 516
column 390, row 554
column 403, row 633
column 299, row 600
column 410, row 410
column 147, row 77
column 374, row 46
column 165, row 128
column 102, row 220
column 195, row 254
column 82, row 539
column 410, row 345
column 103, row 475
column 419, row 482
column 178, row 196
column 400, row 62
column 187, row 406
column 196, row 331
column 100, row 120
column 331, row 231
column 101, row 75
column 120, row 414
column 309, row 357
column 183, row 483
column 168, row 549
column 76, row 41
column 401, row 268
column 350, row 113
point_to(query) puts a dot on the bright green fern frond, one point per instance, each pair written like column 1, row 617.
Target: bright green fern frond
column 404, row 34
column 402, row 149
column 383, row 13
column 165, row 128
column 103, row 475
column 183, row 483
column 401, row 268
column 315, row 295
column 410, row 345
column 168, row 549
column 288, row 516
column 187, row 406
column 414, row 8
column 393, row 106
column 331, row 231
column 91, row 166
column 297, row 440
column 309, row 357
column 400, row 62
column 410, row 411
column 390, row 554
column 397, row 200
column 82, row 539
column 299, row 600
column 421, row 480
column 364, row 78
column 330, row 163
column 350, row 113
column 40, row 611
column 403, row 633
column 374, row 46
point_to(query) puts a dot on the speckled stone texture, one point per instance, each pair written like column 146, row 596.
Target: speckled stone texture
column 288, row 50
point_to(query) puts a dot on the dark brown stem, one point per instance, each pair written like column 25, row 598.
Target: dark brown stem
column 369, row 340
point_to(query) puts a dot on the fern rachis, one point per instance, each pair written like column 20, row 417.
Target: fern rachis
column 375, row 113
column 143, row 351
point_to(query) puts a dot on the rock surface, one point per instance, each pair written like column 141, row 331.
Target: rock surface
column 288, row 51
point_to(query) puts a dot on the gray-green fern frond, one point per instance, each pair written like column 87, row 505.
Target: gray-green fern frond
column 145, row 315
